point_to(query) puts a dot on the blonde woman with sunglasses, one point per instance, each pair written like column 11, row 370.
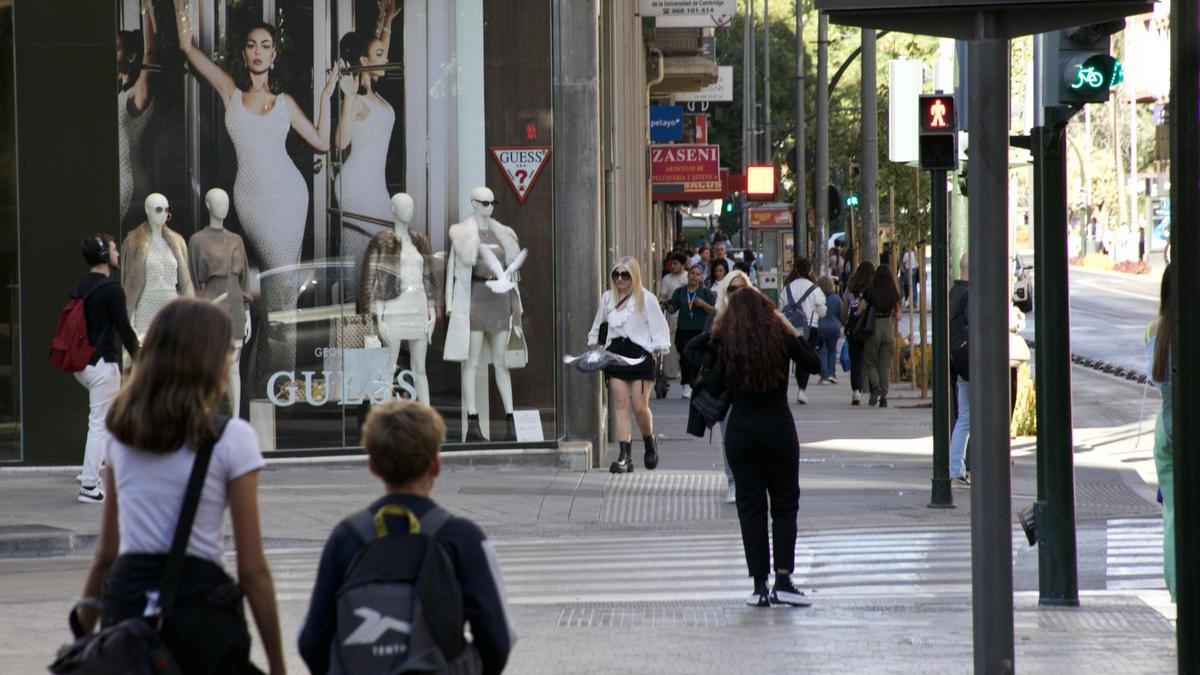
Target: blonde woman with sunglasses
column 636, row 328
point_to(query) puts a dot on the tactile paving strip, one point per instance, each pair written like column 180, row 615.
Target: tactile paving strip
column 648, row 617
column 662, row 496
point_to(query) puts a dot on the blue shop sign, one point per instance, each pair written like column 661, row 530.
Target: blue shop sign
column 666, row 123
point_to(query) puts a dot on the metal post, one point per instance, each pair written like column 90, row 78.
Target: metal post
column 752, row 50
column 869, row 160
column 1058, row 582
column 800, row 222
column 940, row 495
column 991, row 496
column 747, row 95
column 1185, row 357
column 821, row 184
column 768, row 156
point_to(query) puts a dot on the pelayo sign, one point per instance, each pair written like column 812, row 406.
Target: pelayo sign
column 666, row 123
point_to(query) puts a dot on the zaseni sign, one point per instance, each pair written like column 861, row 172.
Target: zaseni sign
column 521, row 166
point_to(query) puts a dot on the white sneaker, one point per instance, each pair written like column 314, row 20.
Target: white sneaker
column 91, row 495
column 687, row 391
column 731, row 496
column 801, row 397
column 856, row 398
column 823, row 380
column 833, row 380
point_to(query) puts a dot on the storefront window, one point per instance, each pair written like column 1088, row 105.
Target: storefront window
column 379, row 162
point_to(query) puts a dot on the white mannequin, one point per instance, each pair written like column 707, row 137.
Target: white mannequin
column 217, row 201
column 497, row 340
column 391, row 313
column 157, row 214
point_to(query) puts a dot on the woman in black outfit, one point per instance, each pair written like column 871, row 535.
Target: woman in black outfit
column 856, row 288
column 754, row 343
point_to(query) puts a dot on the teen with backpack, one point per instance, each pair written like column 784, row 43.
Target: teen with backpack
column 84, row 346
column 398, row 581
column 803, row 303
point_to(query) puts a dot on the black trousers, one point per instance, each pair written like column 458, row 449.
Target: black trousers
column 856, row 364
column 814, row 341
column 687, row 369
column 764, row 454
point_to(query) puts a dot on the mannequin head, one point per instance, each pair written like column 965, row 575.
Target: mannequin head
column 158, row 211
column 217, row 201
column 483, row 202
column 402, row 208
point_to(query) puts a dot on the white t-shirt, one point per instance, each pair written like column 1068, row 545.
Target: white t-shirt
column 150, row 490
column 671, row 283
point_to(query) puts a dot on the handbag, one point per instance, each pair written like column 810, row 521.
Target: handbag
column 711, row 407
column 350, row 331
column 845, row 356
column 863, row 325
column 134, row 646
column 516, row 354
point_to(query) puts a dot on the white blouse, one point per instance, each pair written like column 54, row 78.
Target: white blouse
column 647, row 330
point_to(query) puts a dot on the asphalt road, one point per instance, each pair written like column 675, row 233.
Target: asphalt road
column 1109, row 314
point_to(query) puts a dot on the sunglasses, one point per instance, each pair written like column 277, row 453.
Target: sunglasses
column 622, row 274
column 483, row 203
column 162, row 209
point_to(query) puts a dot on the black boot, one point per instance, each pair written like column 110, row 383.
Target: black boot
column 510, row 428
column 624, row 463
column 474, row 435
column 651, row 456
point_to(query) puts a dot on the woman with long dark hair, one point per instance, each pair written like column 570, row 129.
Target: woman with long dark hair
column 880, row 347
column 1158, row 347
column 717, row 270
column 135, row 100
column 754, row 344
column 159, row 421
column 852, row 307
column 801, row 288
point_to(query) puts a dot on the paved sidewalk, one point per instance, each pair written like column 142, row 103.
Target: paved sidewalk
column 644, row 573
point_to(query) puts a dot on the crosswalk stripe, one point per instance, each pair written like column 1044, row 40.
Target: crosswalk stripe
column 1135, row 556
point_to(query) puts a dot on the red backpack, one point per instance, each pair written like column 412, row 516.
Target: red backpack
column 70, row 350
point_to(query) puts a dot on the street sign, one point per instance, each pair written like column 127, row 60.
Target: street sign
column 764, row 217
column 521, row 166
column 666, row 123
column 685, row 21
column 937, row 143
column 685, row 172
column 686, row 7
column 720, row 91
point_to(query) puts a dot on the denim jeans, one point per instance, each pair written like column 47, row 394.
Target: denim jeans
column 962, row 429
column 829, row 353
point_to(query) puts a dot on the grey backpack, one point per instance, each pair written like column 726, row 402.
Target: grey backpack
column 400, row 607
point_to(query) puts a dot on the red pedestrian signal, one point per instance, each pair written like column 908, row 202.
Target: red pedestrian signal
column 937, row 113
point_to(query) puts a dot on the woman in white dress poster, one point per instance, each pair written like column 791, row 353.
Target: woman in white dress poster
column 269, row 193
column 135, row 50
column 364, row 127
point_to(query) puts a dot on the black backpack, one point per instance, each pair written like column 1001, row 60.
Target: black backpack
column 400, row 607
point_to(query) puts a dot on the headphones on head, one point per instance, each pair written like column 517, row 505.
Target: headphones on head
column 102, row 249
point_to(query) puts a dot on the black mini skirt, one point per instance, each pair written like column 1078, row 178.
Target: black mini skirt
column 626, row 347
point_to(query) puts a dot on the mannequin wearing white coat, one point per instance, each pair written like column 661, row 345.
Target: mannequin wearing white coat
column 155, row 269
column 396, row 287
column 463, row 342
column 222, row 274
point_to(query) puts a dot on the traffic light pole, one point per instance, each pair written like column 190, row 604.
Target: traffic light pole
column 1058, row 581
column 940, row 495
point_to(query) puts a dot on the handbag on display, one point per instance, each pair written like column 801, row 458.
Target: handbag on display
column 516, row 355
column 134, row 645
column 350, row 331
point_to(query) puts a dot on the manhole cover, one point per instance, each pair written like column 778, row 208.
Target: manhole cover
column 1126, row 622
column 1112, row 497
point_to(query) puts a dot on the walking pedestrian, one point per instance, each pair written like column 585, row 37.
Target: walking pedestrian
column 1158, row 347
column 692, row 304
column 160, row 422
column 702, row 258
column 830, row 327
column 105, row 311
column 959, row 369
column 880, row 347
column 856, row 290
column 675, row 279
column 717, row 270
column 801, row 288
column 753, row 344
column 636, row 328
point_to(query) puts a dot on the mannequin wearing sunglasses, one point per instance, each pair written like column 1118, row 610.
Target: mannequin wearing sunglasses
column 396, row 286
column 222, row 274
column 155, row 269
column 636, row 329
column 481, row 320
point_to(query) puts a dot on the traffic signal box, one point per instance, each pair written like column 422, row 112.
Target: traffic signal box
column 938, row 141
column 1078, row 67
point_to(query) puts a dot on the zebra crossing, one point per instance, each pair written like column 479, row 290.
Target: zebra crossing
column 697, row 567
column 1134, row 554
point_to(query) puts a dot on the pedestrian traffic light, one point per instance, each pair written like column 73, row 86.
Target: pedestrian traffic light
column 851, row 200
column 937, row 146
column 728, row 206
column 1079, row 68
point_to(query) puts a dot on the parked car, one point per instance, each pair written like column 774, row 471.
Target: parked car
column 1022, row 284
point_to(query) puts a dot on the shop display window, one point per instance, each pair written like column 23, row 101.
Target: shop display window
column 359, row 145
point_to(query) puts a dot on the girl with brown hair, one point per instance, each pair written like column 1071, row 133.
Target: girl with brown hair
column 852, row 306
column 754, row 345
column 880, row 346
column 159, row 422
column 1158, row 348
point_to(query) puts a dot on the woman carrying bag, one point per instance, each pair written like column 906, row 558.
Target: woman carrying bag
column 852, row 309
column 755, row 345
column 162, row 424
column 636, row 329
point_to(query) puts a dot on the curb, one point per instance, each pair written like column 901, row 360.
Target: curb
column 572, row 456
column 1103, row 366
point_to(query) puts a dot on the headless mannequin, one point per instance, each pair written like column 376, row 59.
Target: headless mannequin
column 497, row 340
column 395, row 313
column 217, row 201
